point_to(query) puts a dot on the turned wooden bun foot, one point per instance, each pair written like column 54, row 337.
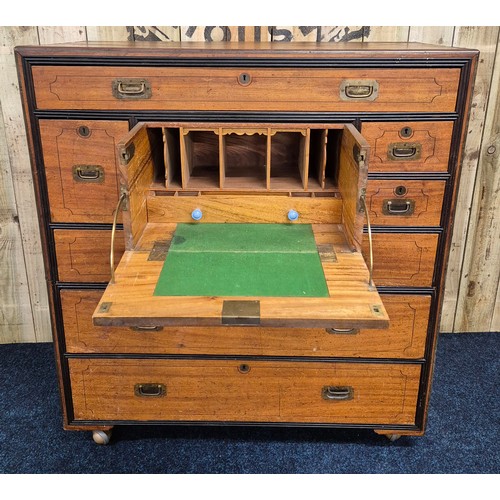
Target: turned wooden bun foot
column 101, row 437
column 393, row 437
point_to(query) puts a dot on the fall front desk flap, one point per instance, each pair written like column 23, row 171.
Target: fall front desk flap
column 245, row 260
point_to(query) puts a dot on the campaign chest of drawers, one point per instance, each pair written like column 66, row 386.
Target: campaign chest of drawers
column 144, row 138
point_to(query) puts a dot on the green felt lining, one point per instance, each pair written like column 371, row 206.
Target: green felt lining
column 246, row 260
column 262, row 238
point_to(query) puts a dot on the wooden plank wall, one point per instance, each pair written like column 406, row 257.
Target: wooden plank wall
column 472, row 298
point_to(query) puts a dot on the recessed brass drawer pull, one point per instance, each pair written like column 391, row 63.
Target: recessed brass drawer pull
column 147, row 328
column 150, row 390
column 342, row 331
column 88, row 173
column 335, row 393
column 398, row 207
column 366, row 90
column 404, row 151
column 131, row 88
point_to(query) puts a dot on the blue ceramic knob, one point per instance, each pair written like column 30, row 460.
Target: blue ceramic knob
column 196, row 214
column 293, row 215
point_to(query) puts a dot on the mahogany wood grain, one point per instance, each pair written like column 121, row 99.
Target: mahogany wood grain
column 250, row 49
column 83, row 254
column 400, row 90
column 136, row 176
column 221, row 390
column 433, row 137
column 405, row 338
column 352, row 175
column 403, row 259
column 79, row 199
column 244, row 208
column 426, row 196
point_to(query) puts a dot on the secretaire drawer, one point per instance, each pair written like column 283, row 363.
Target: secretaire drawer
column 403, row 259
column 246, row 391
column 404, row 202
column 408, row 146
column 83, row 255
column 252, row 89
column 81, row 168
column 405, row 338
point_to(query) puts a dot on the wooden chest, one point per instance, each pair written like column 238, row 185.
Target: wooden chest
column 131, row 142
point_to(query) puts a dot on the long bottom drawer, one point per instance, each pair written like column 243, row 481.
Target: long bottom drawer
column 237, row 391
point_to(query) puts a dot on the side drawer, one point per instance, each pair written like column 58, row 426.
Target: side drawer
column 81, row 168
column 404, row 202
column 252, row 89
column 402, row 259
column 405, row 338
column 236, row 391
column 83, row 255
column 408, row 146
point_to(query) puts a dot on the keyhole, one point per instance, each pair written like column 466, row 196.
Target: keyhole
column 244, row 79
column 400, row 191
column 83, row 131
column 406, row 132
column 244, row 368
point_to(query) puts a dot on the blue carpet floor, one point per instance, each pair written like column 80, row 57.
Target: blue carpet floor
column 462, row 434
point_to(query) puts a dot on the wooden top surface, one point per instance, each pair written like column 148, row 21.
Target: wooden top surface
column 203, row 50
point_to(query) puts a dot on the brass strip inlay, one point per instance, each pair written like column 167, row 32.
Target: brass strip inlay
column 376, row 309
column 241, row 312
column 160, row 250
column 327, row 253
column 105, row 307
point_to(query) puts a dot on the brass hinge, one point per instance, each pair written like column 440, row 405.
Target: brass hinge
column 127, row 153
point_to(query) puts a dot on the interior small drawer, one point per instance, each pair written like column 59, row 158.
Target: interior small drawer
column 405, row 338
column 243, row 391
column 81, row 168
column 251, row 89
column 83, row 255
column 404, row 202
column 403, row 259
column 408, row 146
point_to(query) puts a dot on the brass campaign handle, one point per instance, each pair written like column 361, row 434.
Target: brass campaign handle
column 342, row 331
column 334, row 393
column 149, row 390
column 401, row 151
column 359, row 89
column 131, row 88
column 398, row 207
column 88, row 173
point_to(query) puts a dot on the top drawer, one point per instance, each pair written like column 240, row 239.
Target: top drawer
column 251, row 89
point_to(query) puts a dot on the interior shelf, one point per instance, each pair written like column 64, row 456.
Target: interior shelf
column 247, row 158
